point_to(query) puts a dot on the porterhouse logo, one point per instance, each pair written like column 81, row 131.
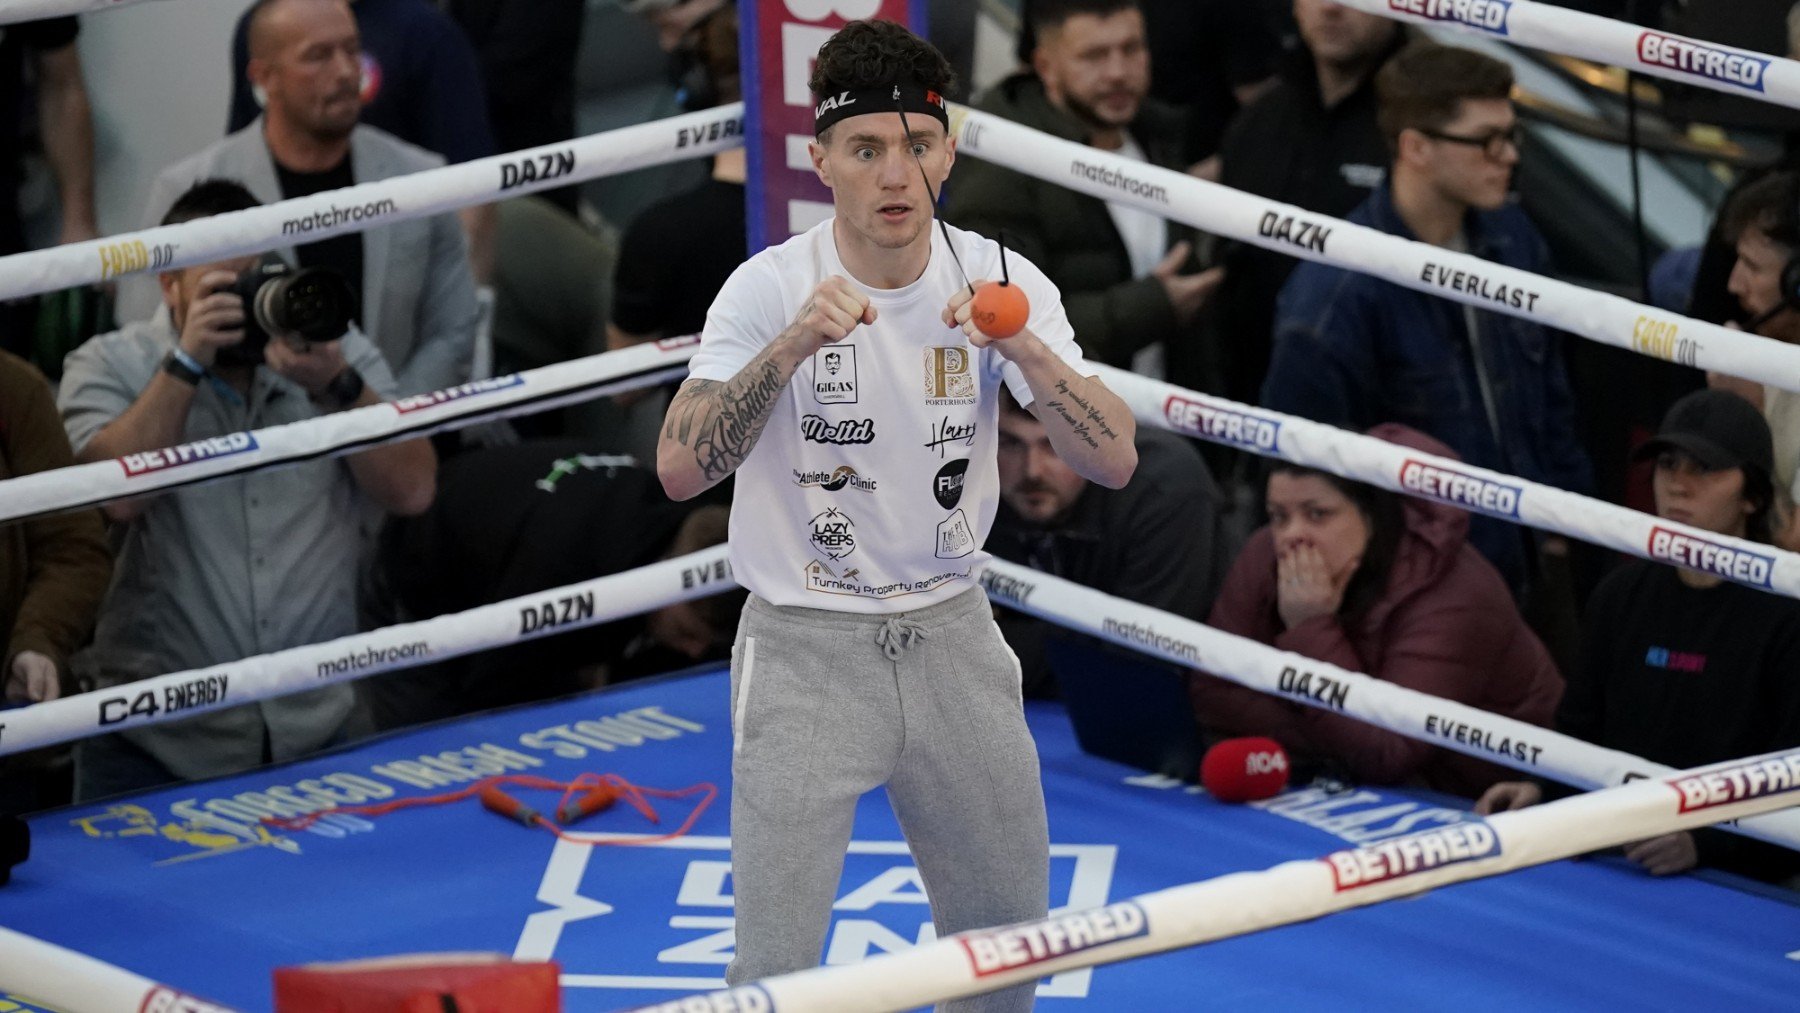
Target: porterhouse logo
column 1707, row 556
column 949, row 375
column 1768, row 775
column 1222, row 425
column 1412, row 855
column 1487, row 15
column 1727, row 66
column 1458, row 488
column 187, row 453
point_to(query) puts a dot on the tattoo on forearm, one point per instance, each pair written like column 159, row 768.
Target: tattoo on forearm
column 1088, row 413
column 721, row 422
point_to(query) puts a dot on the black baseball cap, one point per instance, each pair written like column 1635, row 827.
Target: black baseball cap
column 1721, row 430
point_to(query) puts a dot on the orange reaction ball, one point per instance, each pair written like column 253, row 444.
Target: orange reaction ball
column 999, row 309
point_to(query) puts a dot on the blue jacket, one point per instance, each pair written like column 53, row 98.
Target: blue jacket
column 1354, row 351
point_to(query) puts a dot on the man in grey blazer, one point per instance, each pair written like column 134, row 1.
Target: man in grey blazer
column 418, row 296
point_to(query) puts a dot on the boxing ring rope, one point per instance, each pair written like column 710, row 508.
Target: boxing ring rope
column 1297, row 891
column 367, row 205
column 1296, row 232
column 48, row 973
column 346, row 432
column 1604, row 40
column 14, row 11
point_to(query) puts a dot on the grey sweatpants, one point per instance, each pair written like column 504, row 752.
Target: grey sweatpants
column 827, row 706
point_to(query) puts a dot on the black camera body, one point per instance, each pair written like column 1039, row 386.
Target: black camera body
column 316, row 303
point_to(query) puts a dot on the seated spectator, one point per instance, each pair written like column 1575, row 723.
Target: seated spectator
column 509, row 521
column 1126, row 283
column 1157, row 541
column 1683, row 667
column 1353, row 350
column 417, row 296
column 1313, row 142
column 214, row 573
column 1388, row 586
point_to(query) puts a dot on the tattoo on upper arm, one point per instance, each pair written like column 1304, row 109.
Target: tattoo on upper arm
column 721, row 422
column 1088, row 412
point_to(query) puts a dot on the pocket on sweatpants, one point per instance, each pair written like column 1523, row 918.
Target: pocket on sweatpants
column 743, row 674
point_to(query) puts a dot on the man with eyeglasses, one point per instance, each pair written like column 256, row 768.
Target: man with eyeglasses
column 1354, row 351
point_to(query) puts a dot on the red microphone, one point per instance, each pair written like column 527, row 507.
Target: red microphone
column 1245, row 770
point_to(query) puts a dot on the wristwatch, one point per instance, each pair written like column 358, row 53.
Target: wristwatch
column 183, row 367
column 344, row 388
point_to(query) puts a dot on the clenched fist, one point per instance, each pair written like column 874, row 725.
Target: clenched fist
column 835, row 309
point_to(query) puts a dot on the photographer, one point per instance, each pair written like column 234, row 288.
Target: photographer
column 251, row 565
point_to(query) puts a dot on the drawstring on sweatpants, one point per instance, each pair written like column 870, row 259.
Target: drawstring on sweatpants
column 896, row 635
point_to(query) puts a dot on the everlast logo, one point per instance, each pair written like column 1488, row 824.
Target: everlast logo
column 700, row 576
column 533, row 170
column 1294, row 231
column 818, row 430
column 838, row 101
column 552, row 614
column 708, row 133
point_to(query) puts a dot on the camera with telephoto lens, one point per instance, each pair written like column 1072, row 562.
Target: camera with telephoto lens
column 314, row 303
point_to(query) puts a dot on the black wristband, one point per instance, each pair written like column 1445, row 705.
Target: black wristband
column 173, row 365
column 345, row 388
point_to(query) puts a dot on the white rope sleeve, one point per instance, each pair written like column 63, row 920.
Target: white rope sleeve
column 1604, row 40
column 50, row 974
column 528, row 617
column 984, row 960
column 346, row 432
column 1428, row 476
column 15, row 11
column 367, row 205
column 1408, row 712
column 1285, row 228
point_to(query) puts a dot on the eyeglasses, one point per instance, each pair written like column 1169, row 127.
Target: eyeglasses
column 1493, row 145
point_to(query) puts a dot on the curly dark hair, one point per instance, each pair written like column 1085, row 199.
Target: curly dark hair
column 868, row 54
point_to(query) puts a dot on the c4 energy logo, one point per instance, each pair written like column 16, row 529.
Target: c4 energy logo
column 186, row 453
column 1727, row 66
column 995, row 950
column 1740, row 782
column 1471, row 492
column 1707, row 556
column 949, row 375
column 1223, row 425
column 1487, row 15
column 1409, row 856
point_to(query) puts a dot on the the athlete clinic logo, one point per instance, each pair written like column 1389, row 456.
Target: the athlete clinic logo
column 1412, row 855
column 1707, row 556
column 187, row 453
column 1458, row 488
column 1740, row 782
column 949, row 375
column 1223, row 425
column 1487, row 15
column 1727, row 66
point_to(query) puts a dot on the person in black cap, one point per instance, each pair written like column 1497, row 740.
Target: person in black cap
column 1681, row 665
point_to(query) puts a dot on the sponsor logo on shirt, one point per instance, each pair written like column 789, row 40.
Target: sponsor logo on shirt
column 1707, row 556
column 1740, row 782
column 1409, row 856
column 1294, row 231
column 948, row 485
column 949, row 375
column 420, row 402
column 818, row 430
column 1222, row 425
column 554, row 165
column 841, row 477
column 955, row 539
column 1487, row 15
column 992, row 951
column 187, row 453
column 822, row 578
column 1457, row 488
column 949, row 431
column 1662, row 339
column 1728, row 66
column 834, row 374
column 1675, row 661
column 833, row 533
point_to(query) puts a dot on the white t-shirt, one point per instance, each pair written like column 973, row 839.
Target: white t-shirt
column 1146, row 235
column 874, row 485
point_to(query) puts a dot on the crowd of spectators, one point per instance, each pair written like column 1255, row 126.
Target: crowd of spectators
column 1341, row 113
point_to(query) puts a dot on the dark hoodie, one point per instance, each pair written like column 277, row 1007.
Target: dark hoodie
column 1445, row 625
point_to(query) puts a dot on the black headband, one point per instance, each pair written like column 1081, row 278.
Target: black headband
column 887, row 98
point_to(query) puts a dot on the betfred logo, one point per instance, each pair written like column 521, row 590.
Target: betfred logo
column 420, row 402
column 1409, row 856
column 1727, row 66
column 1242, row 429
column 163, row 999
column 996, row 950
column 680, row 341
column 1471, row 492
column 1707, row 556
column 1739, row 782
column 1487, row 15
column 748, row 999
column 186, row 453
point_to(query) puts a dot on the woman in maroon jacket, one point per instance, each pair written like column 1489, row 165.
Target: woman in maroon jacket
column 1385, row 585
